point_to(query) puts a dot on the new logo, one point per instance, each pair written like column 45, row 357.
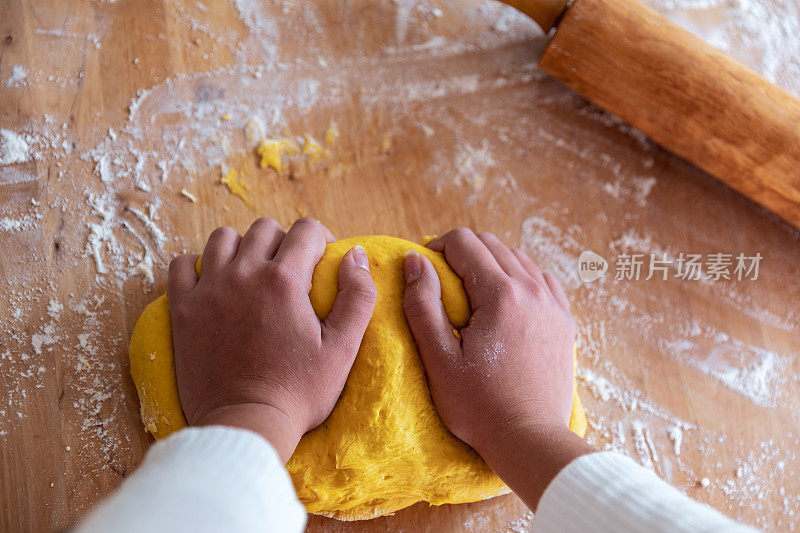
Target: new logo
column 591, row 266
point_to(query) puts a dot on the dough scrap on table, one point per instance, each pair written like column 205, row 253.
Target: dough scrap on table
column 273, row 150
column 383, row 447
column 233, row 180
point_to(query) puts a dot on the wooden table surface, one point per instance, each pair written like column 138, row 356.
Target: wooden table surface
column 445, row 120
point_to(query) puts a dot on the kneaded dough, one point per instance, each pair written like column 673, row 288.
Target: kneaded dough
column 383, row 447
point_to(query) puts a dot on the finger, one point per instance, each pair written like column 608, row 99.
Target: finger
column 425, row 313
column 220, row 249
column 470, row 259
column 302, row 248
column 353, row 307
column 503, row 255
column 261, row 241
column 182, row 277
column 529, row 266
column 557, row 290
column 329, row 238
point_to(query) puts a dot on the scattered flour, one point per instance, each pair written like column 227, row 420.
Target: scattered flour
column 54, row 309
column 101, row 237
column 103, row 169
column 145, row 269
column 18, row 224
column 19, row 76
column 155, row 232
column 676, row 436
column 46, row 337
column 523, row 524
column 13, row 148
column 647, row 456
column 760, row 33
column 473, row 164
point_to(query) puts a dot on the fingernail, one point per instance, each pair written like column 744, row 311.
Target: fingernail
column 413, row 265
column 360, row 257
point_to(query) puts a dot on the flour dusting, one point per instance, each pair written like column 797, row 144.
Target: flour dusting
column 13, row 148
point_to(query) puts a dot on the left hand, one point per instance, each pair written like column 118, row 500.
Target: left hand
column 249, row 350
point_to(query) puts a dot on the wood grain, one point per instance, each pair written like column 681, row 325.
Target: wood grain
column 684, row 94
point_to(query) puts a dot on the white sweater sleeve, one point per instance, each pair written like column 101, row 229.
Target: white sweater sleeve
column 204, row 479
column 606, row 491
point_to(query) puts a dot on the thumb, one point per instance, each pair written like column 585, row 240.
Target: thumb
column 355, row 302
column 425, row 313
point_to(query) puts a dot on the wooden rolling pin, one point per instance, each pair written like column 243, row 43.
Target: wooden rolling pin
column 685, row 94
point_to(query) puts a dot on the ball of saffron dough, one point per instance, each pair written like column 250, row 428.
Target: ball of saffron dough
column 383, row 447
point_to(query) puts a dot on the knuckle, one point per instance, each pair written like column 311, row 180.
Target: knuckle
column 505, row 287
column 239, row 275
column 365, row 294
column 311, row 230
column 461, row 233
column 416, row 306
column 308, row 221
column 539, row 290
column 303, row 247
column 509, row 291
column 266, row 221
column 279, row 277
column 175, row 264
column 223, row 232
column 363, row 282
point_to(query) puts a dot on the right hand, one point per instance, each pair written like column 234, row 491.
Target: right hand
column 509, row 380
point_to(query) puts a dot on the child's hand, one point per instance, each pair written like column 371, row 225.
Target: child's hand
column 513, row 364
column 249, row 350
column 506, row 387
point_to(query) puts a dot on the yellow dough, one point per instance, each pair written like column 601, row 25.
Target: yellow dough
column 383, row 447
